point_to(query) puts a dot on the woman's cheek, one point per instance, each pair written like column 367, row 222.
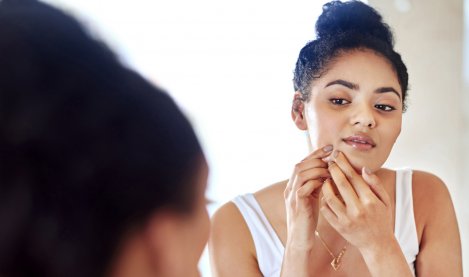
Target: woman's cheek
column 323, row 125
column 320, row 138
column 328, row 133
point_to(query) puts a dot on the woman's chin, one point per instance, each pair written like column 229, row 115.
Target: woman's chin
column 358, row 163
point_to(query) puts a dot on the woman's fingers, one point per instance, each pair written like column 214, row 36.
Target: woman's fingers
column 365, row 186
column 343, row 185
column 313, row 160
column 331, row 200
column 373, row 181
column 308, row 164
column 365, row 215
column 320, row 153
column 308, row 188
column 330, row 216
column 360, row 187
column 302, row 197
column 311, row 174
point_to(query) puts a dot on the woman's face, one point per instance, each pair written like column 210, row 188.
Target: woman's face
column 356, row 106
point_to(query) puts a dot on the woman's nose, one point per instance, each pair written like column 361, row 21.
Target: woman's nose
column 364, row 117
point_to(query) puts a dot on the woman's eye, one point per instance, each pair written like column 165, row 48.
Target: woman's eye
column 339, row 101
column 385, row 108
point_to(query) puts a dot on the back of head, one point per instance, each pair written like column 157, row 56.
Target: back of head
column 88, row 148
column 346, row 26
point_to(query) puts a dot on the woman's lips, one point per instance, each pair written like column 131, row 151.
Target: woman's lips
column 363, row 143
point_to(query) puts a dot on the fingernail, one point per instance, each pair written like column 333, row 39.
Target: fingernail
column 366, row 170
column 336, row 153
column 327, row 148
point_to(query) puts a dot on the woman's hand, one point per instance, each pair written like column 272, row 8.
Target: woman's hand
column 302, row 209
column 364, row 217
column 302, row 198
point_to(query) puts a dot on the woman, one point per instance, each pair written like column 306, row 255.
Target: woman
column 100, row 172
column 341, row 213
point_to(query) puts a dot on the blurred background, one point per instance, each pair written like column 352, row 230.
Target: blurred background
column 229, row 66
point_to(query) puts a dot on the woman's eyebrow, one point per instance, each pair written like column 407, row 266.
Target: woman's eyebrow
column 388, row 89
column 353, row 86
column 344, row 83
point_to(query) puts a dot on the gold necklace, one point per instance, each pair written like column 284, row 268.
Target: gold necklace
column 336, row 260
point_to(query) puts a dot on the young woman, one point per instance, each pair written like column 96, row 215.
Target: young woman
column 341, row 213
column 100, row 172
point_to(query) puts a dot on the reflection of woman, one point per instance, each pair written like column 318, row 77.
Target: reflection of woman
column 341, row 213
column 100, row 172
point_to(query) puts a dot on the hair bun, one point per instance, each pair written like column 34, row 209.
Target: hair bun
column 353, row 16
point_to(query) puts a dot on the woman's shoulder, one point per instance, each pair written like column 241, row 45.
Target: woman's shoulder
column 228, row 218
column 427, row 187
column 440, row 236
column 272, row 193
column 231, row 242
column 431, row 197
column 423, row 183
column 230, row 213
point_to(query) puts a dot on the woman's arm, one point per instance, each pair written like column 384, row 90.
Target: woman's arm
column 440, row 245
column 387, row 260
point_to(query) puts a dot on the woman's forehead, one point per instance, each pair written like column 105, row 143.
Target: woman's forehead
column 360, row 67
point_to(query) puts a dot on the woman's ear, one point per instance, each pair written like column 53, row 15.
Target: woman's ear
column 298, row 112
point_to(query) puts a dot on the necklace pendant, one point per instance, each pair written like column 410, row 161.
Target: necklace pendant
column 335, row 264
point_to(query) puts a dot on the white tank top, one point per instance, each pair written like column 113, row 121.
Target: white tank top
column 270, row 250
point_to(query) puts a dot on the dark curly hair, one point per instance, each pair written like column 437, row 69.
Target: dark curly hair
column 345, row 26
column 88, row 148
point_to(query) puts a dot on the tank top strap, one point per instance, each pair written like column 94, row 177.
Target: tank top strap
column 405, row 229
column 269, row 248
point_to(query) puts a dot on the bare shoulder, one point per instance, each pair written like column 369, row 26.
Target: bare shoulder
column 273, row 192
column 430, row 196
column 423, row 178
column 432, row 201
column 228, row 219
column 230, row 244
column 429, row 190
column 229, row 228
column 440, row 244
column 272, row 202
